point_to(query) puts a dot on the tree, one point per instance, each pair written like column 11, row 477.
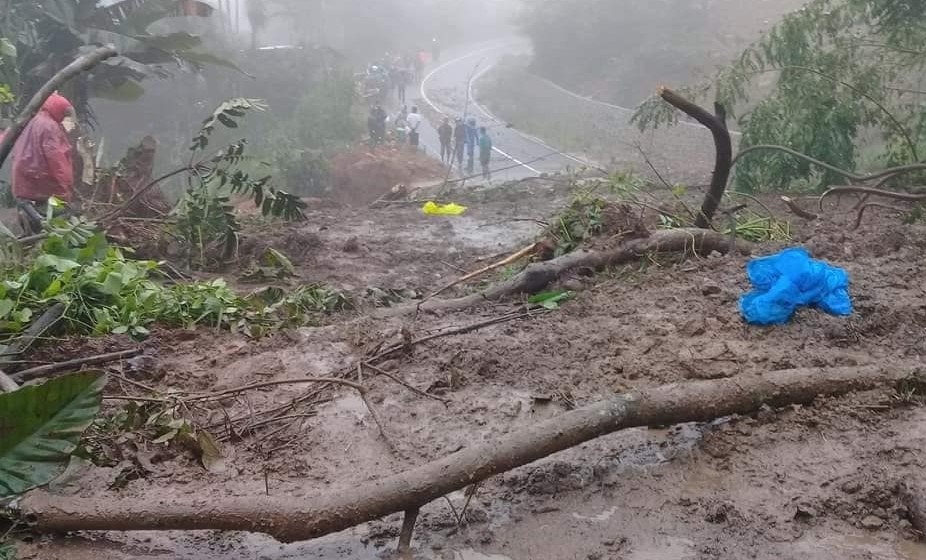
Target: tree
column 844, row 89
column 43, row 36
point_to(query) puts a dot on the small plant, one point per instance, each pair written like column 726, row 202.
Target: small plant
column 206, row 218
column 581, row 221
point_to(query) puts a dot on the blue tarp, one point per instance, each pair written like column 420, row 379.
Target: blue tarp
column 788, row 280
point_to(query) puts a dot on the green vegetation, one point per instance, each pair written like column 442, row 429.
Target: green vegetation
column 843, row 89
column 41, row 427
column 205, row 214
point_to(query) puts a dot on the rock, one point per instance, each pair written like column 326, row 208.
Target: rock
column 715, row 255
column 851, row 486
column 872, row 522
column 710, row 289
column 804, row 513
column 352, row 245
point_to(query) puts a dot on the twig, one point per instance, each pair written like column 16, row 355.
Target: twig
column 408, row 528
column 43, row 371
column 469, row 496
column 906, row 197
column 861, row 211
column 452, row 332
column 505, row 262
column 82, row 64
column 402, row 382
column 455, row 267
column 375, row 415
column 208, row 397
column 797, row 210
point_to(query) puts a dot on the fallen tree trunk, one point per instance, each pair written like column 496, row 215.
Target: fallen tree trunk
column 538, row 276
column 290, row 518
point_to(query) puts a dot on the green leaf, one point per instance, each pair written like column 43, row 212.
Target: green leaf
column 6, row 305
column 40, row 427
column 113, row 284
column 55, row 262
column 550, row 300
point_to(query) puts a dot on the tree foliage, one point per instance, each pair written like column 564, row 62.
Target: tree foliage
column 45, row 35
column 836, row 80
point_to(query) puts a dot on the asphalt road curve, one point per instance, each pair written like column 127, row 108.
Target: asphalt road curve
column 447, row 88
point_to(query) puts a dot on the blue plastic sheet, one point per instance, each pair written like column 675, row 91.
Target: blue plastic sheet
column 791, row 279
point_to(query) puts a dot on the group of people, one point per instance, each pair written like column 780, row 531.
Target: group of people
column 396, row 72
column 463, row 136
column 407, row 125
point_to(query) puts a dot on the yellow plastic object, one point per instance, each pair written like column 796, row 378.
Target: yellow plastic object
column 452, row 209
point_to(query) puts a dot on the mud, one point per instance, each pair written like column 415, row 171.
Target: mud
column 813, row 481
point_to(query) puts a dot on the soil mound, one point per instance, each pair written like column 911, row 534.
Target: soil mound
column 362, row 175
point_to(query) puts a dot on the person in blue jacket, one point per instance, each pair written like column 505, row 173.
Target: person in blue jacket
column 472, row 141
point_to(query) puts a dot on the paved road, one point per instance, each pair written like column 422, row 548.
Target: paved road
column 447, row 88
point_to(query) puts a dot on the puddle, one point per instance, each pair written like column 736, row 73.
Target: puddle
column 600, row 518
column 860, row 546
column 470, row 554
column 672, row 548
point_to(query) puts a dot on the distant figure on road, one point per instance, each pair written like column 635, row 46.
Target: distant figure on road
column 459, row 142
column 472, row 138
column 421, row 60
column 485, row 153
column 414, row 123
column 445, row 132
column 400, row 80
column 376, row 123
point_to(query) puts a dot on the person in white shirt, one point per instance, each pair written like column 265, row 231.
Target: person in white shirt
column 414, row 122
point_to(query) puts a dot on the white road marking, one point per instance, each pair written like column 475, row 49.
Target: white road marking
column 424, row 95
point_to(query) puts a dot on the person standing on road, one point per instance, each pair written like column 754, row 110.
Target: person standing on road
column 400, row 80
column 414, row 123
column 459, row 142
column 445, row 132
column 472, row 138
column 485, row 153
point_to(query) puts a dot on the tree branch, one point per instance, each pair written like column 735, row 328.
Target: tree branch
column 82, row 64
column 717, row 124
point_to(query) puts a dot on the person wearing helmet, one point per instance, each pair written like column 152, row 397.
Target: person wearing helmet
column 42, row 164
column 472, row 140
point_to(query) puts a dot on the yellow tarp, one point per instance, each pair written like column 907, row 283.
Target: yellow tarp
column 452, row 209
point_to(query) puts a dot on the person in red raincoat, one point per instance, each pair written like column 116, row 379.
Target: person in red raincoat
column 42, row 166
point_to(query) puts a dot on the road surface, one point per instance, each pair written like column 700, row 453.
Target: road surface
column 447, row 89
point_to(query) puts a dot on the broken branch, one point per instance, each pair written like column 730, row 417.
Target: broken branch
column 505, row 262
column 293, row 519
column 797, row 210
column 717, row 125
column 50, row 369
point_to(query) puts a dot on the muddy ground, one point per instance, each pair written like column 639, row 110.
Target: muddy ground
column 803, row 482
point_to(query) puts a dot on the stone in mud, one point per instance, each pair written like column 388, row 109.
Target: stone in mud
column 352, row 245
column 710, row 289
column 851, row 486
column 872, row 522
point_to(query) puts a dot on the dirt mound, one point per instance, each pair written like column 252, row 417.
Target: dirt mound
column 362, row 175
